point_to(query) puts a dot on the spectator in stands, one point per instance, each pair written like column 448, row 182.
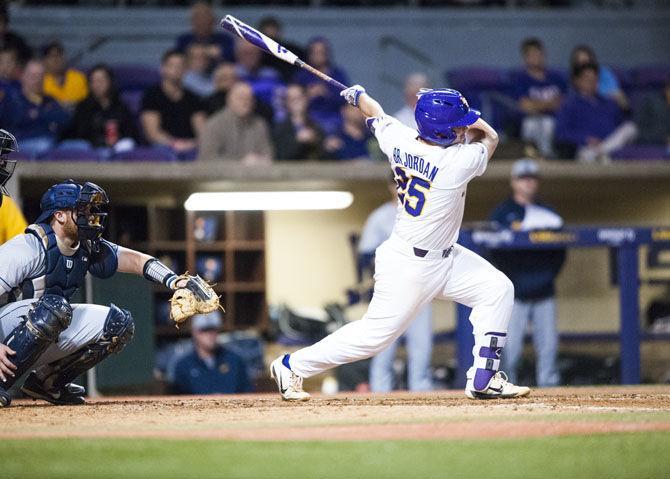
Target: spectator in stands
column 589, row 125
column 224, row 77
column 324, row 100
column 413, row 84
column 352, row 141
column 298, row 137
column 197, row 77
column 533, row 273
column 171, row 115
column 539, row 93
column 36, row 119
column 264, row 81
column 654, row 118
column 236, row 133
column 10, row 69
column 67, row 85
column 102, row 120
column 210, row 368
column 272, row 27
column 12, row 40
column 219, row 44
column 608, row 84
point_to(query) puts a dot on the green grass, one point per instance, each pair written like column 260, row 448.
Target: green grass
column 635, row 455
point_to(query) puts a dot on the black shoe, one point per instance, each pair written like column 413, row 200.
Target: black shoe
column 69, row 395
column 5, row 398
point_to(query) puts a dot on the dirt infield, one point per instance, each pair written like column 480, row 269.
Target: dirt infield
column 439, row 415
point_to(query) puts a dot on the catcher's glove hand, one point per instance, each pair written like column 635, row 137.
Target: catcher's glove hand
column 192, row 296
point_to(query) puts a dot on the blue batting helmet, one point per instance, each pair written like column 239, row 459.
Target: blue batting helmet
column 439, row 111
column 87, row 200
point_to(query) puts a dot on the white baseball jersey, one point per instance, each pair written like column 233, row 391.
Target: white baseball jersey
column 432, row 183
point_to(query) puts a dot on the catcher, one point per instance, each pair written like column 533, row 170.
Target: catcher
column 40, row 270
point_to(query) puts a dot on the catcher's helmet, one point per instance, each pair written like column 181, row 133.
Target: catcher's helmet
column 439, row 111
column 8, row 145
column 89, row 201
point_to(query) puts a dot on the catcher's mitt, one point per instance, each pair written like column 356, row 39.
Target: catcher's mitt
column 192, row 296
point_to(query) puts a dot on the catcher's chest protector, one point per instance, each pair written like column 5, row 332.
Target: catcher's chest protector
column 63, row 274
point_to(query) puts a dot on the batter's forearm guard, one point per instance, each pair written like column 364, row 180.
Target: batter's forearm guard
column 157, row 272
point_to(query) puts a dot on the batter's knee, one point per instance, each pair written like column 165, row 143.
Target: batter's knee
column 504, row 289
column 119, row 328
column 49, row 316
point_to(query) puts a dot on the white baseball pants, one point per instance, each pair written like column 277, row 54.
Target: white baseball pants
column 404, row 284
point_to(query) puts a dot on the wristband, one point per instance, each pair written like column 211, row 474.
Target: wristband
column 157, row 272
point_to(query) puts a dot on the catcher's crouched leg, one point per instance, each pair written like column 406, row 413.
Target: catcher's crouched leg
column 47, row 318
column 53, row 382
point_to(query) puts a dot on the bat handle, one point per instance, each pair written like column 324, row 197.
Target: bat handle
column 323, row 76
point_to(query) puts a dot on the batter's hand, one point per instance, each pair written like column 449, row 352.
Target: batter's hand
column 7, row 367
column 352, row 94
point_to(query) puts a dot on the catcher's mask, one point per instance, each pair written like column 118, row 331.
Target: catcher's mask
column 89, row 203
column 8, row 145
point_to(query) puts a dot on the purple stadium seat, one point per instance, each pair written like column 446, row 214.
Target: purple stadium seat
column 135, row 77
column 133, row 100
column 20, row 156
column 147, row 153
column 641, row 152
column 478, row 78
column 652, row 77
column 72, row 154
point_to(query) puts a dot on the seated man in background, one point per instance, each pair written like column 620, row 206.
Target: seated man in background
column 210, row 368
column 223, row 77
column 588, row 125
column 539, row 92
column 198, row 77
column 264, row 81
column 419, row 334
column 36, row 119
column 236, row 133
column 12, row 222
column 608, row 84
column 297, row 137
column 203, row 23
column 533, row 273
column 172, row 115
column 10, row 69
column 413, row 85
column 67, row 85
column 353, row 139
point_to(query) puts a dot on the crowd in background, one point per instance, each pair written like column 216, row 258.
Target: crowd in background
column 218, row 98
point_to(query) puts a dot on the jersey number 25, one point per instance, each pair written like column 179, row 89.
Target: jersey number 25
column 412, row 191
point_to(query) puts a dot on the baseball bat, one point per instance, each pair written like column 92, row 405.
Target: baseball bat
column 256, row 38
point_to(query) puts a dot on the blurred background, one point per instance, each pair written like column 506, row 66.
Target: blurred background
column 152, row 101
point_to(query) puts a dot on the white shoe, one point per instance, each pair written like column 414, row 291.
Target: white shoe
column 498, row 388
column 288, row 382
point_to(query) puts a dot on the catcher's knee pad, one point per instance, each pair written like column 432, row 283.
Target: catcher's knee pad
column 47, row 317
column 117, row 332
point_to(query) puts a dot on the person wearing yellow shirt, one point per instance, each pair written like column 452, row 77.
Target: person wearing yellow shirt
column 12, row 221
column 66, row 85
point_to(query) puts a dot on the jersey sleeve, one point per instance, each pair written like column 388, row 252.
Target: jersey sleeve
column 387, row 130
column 473, row 160
column 105, row 263
column 21, row 257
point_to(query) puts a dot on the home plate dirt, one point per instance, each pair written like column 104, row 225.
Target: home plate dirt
column 348, row 416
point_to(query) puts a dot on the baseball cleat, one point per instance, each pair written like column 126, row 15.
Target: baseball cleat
column 5, row 398
column 498, row 388
column 288, row 382
column 70, row 395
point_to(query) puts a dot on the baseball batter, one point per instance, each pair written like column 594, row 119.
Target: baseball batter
column 40, row 331
column 421, row 260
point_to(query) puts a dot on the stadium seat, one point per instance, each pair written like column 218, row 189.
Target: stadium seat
column 72, row 154
column 641, row 152
column 147, row 153
column 135, row 77
column 650, row 77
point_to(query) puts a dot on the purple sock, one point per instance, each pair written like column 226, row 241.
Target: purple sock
column 285, row 359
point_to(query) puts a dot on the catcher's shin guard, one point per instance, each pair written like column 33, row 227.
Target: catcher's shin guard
column 47, row 317
column 117, row 332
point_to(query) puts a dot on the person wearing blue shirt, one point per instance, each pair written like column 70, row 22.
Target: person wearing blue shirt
column 210, row 368
column 324, row 99
column 353, row 139
column 36, row 119
column 608, row 83
column 219, row 45
column 539, row 93
column 533, row 273
column 589, row 125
